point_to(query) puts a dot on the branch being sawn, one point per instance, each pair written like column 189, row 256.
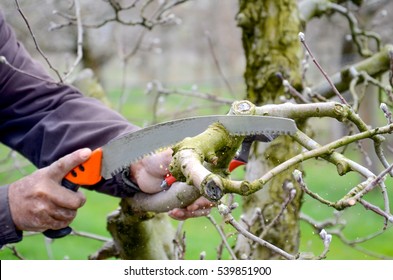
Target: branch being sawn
column 202, row 161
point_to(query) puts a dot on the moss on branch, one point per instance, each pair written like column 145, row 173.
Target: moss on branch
column 214, row 149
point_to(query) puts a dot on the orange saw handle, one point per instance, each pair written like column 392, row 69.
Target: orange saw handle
column 88, row 173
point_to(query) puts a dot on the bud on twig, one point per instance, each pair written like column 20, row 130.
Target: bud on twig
column 327, row 238
column 302, row 37
column 223, row 209
column 386, row 112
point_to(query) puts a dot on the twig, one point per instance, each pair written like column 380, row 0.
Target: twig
column 15, row 252
column 179, row 242
column 127, row 56
column 144, row 21
column 258, row 240
column 374, row 65
column 322, row 150
column 356, row 31
column 48, row 246
column 222, row 235
column 108, row 250
column 379, row 151
column 79, row 40
column 290, row 197
column 303, row 41
column 225, row 211
column 372, row 184
column 388, row 217
column 299, row 178
column 327, row 239
column 161, row 90
column 348, row 200
column 292, row 90
column 36, row 43
column 217, row 63
column 358, row 76
column 318, row 226
column 90, row 236
column 386, row 112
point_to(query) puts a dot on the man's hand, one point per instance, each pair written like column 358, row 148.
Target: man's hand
column 38, row 202
column 149, row 172
column 200, row 207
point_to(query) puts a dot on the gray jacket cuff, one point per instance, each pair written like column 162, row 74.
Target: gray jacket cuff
column 8, row 232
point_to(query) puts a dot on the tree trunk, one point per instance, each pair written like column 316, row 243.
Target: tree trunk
column 270, row 31
column 142, row 236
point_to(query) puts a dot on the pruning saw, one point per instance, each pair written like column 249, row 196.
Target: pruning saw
column 110, row 159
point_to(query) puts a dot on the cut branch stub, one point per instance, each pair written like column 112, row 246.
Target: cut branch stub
column 242, row 107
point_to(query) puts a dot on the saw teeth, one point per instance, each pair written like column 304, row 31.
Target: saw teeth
column 268, row 132
column 116, row 171
column 269, row 126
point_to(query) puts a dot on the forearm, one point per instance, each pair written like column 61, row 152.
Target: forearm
column 45, row 121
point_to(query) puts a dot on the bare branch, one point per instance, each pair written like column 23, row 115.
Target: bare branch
column 36, row 43
column 79, row 40
column 217, row 64
column 327, row 239
column 15, row 252
column 287, row 201
column 222, row 235
column 358, row 36
column 224, row 211
column 338, row 94
column 374, row 66
column 338, row 232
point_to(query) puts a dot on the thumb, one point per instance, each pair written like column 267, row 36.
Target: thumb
column 59, row 169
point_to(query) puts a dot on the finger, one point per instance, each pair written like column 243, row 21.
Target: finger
column 63, row 215
column 157, row 164
column 59, row 218
column 42, row 220
column 64, row 198
column 61, row 167
column 200, row 203
column 148, row 183
column 56, row 224
column 183, row 214
column 177, row 214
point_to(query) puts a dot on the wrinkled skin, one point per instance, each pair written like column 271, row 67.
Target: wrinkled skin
column 39, row 202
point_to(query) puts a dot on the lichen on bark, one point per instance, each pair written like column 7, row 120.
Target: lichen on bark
column 208, row 153
column 141, row 236
column 270, row 41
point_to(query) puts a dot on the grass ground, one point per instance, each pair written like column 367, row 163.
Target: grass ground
column 200, row 233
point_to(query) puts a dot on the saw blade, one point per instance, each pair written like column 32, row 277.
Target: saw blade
column 121, row 152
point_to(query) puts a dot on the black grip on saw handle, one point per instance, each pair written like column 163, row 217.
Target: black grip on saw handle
column 58, row 233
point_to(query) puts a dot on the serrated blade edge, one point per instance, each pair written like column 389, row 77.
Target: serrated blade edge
column 122, row 151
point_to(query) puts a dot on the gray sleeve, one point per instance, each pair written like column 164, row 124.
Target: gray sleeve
column 8, row 232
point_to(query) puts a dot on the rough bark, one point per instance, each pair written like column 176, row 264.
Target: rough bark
column 141, row 236
column 270, row 39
